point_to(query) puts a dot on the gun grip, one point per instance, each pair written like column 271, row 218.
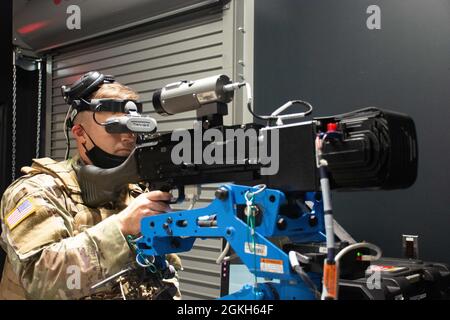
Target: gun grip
column 167, row 188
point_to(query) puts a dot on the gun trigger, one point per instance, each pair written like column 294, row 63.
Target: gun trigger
column 181, row 196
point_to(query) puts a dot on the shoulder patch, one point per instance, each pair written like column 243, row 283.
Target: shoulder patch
column 20, row 212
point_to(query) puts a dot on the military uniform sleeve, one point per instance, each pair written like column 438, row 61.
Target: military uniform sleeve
column 50, row 262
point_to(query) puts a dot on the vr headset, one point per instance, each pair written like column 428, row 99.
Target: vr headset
column 78, row 95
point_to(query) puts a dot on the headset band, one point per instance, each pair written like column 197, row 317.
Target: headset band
column 109, row 105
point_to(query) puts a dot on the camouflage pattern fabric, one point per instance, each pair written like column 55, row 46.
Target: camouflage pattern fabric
column 57, row 248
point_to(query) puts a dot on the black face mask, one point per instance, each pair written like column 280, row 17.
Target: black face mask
column 101, row 158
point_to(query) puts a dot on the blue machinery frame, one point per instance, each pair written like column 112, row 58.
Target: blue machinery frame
column 177, row 231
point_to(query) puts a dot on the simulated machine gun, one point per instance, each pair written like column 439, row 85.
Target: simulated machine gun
column 365, row 149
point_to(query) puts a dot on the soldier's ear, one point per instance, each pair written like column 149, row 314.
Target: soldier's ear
column 78, row 133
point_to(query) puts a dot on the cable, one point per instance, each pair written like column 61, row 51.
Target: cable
column 121, row 290
column 103, row 124
column 287, row 105
column 66, row 132
column 114, row 276
column 135, row 240
column 357, row 246
column 306, row 279
column 141, row 264
column 261, row 188
column 294, row 261
column 223, row 254
column 95, row 119
column 193, row 202
column 230, row 257
column 274, row 115
column 363, row 258
column 250, row 102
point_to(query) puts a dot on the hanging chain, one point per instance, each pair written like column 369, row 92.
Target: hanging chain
column 14, row 120
column 38, row 130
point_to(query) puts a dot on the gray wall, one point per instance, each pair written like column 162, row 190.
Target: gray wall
column 322, row 51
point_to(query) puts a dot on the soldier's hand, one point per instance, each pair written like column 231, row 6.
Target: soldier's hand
column 146, row 204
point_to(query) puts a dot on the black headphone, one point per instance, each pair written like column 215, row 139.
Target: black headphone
column 85, row 86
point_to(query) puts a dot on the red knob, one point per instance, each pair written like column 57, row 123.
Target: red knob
column 332, row 127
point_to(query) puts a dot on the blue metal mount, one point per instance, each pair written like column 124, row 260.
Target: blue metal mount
column 225, row 218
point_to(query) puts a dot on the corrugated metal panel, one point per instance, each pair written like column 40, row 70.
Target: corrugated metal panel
column 145, row 63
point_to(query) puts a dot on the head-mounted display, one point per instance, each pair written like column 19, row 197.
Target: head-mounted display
column 78, row 97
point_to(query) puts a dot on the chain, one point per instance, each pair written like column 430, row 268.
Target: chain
column 38, row 131
column 14, row 120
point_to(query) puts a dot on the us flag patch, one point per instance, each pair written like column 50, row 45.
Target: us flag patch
column 19, row 213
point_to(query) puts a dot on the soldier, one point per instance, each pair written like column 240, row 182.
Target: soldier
column 57, row 247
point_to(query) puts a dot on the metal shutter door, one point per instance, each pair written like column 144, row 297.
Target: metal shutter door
column 147, row 62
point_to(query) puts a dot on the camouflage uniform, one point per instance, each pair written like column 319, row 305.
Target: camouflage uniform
column 51, row 237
